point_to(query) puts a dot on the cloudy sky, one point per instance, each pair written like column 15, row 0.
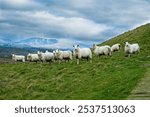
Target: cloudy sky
column 69, row 22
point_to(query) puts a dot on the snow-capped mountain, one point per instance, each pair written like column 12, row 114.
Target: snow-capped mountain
column 2, row 42
column 30, row 42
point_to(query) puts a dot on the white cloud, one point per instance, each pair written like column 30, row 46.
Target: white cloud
column 110, row 12
column 82, row 3
column 17, row 2
column 45, row 22
column 62, row 44
column 65, row 43
column 20, row 4
column 74, row 26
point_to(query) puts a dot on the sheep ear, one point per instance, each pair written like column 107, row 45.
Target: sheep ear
column 77, row 45
column 73, row 45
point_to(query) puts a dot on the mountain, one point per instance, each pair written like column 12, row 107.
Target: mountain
column 7, row 51
column 2, row 42
column 25, row 46
column 29, row 42
column 105, row 78
column 35, row 42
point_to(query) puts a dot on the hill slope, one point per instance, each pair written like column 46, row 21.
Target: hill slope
column 106, row 78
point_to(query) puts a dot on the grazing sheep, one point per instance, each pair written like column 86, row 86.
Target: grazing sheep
column 107, row 50
column 55, row 56
column 33, row 57
column 115, row 47
column 47, row 56
column 63, row 55
column 82, row 53
column 131, row 48
column 18, row 58
column 101, row 50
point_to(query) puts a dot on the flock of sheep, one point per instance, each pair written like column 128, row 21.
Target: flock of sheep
column 78, row 53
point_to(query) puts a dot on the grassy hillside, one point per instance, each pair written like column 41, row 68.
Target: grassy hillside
column 106, row 78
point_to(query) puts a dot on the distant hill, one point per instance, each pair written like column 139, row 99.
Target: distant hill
column 105, row 78
column 35, row 42
column 6, row 51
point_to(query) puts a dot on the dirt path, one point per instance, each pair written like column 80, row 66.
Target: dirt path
column 142, row 91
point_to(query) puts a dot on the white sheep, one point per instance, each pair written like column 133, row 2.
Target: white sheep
column 18, row 58
column 107, row 50
column 82, row 53
column 131, row 48
column 55, row 56
column 63, row 55
column 47, row 56
column 32, row 57
column 115, row 47
column 101, row 50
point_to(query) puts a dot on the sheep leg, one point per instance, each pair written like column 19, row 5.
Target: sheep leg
column 70, row 61
column 50, row 62
column 87, row 58
column 129, row 55
column 110, row 53
column 139, row 50
column 77, row 61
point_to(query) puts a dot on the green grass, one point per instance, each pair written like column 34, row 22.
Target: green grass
column 106, row 78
